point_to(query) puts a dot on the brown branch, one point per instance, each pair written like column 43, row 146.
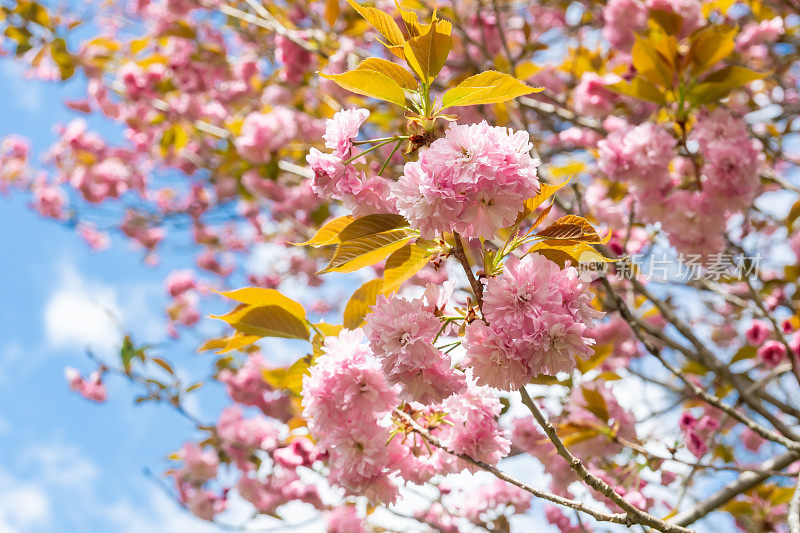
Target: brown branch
column 618, row 518
column 762, row 431
column 636, row 515
column 744, row 483
column 461, row 255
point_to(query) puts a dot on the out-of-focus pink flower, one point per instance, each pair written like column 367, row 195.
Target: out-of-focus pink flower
column 772, row 353
column 91, row 389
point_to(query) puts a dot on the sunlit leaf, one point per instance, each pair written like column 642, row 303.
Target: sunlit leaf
column 403, row 264
column 427, row 53
column 267, row 321
column 649, row 63
column 718, row 84
column 328, row 233
column 711, row 45
column 364, row 251
column 360, row 302
column 370, row 83
column 370, row 225
column 639, row 88
column 391, row 70
column 257, row 296
column 381, row 21
column 488, row 87
column 569, row 229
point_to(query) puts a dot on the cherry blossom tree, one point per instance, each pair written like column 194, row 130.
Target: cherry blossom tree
column 575, row 227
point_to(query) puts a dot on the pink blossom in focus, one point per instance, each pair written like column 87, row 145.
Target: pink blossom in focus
column 473, row 180
column 401, row 332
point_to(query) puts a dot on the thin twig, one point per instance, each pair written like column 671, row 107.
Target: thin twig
column 618, row 518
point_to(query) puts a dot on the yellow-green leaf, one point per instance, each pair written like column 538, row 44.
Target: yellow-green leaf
column 358, row 305
column 569, row 229
column 382, row 22
column 370, row 225
column 370, row 83
column 364, row 251
column 290, row 378
column 639, row 88
column 595, row 403
column 718, row 84
column 257, row 296
column 427, row 53
column 490, row 87
column 649, row 63
column 267, row 321
column 328, row 233
column 710, row 46
column 545, row 192
column 569, row 253
column 228, row 344
column 402, row 264
column 391, row 70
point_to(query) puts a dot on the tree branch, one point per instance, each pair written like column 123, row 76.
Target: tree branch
column 618, row 518
column 637, row 515
column 745, row 482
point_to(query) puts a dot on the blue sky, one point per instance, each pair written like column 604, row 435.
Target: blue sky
column 70, row 465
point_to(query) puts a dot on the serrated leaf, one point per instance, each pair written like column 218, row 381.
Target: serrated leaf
column 427, row 53
column 381, row 21
column 257, row 296
column 267, row 321
column 488, row 87
column 370, row 225
column 391, row 70
column 358, row 306
column 403, row 264
column 569, row 229
column 364, row 251
column 328, row 233
column 370, row 83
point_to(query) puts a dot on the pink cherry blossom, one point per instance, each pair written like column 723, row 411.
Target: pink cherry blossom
column 402, row 332
column 473, row 180
column 772, row 353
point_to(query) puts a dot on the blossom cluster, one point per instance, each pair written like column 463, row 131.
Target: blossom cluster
column 537, row 316
column 348, row 402
column 473, row 181
column 336, row 177
column 693, row 194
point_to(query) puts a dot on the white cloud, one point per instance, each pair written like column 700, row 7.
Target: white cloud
column 81, row 314
column 23, row 505
column 60, row 464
